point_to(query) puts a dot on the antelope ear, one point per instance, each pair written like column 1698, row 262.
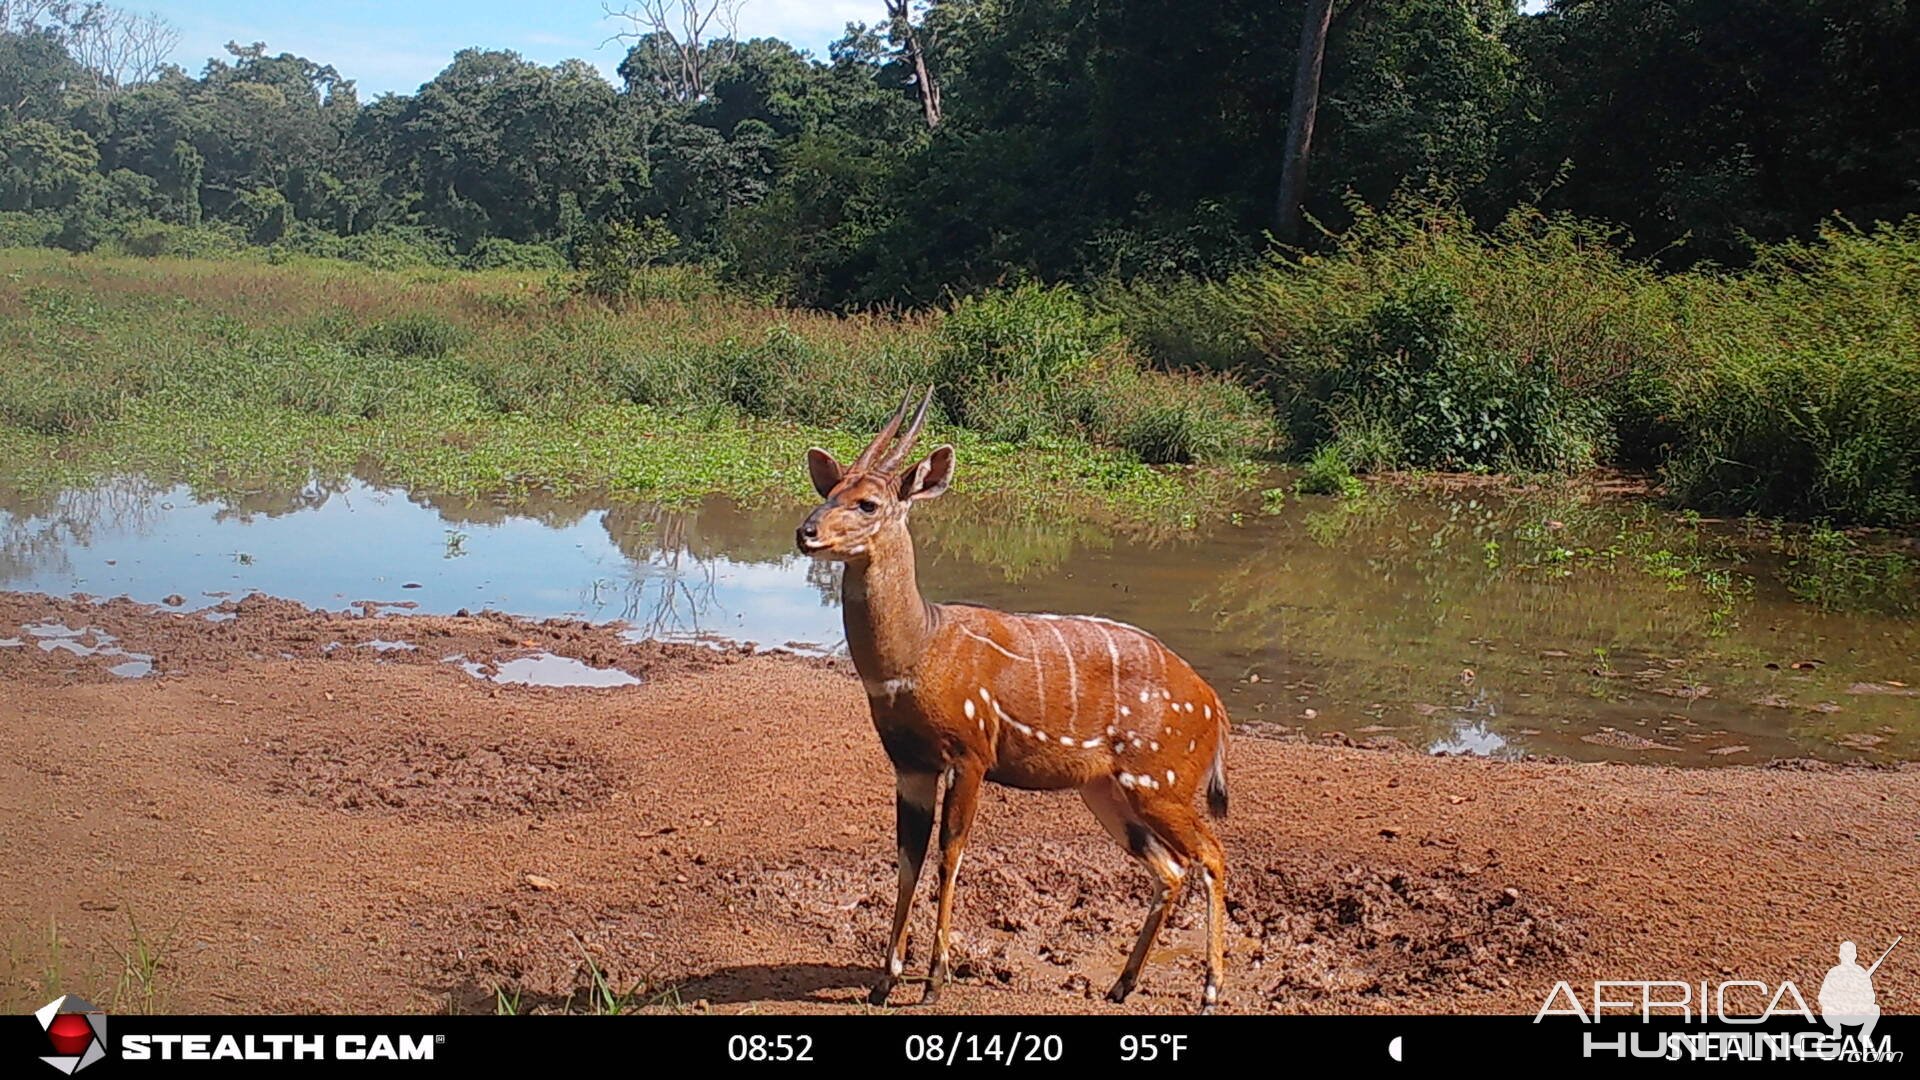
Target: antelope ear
column 929, row 479
column 823, row 470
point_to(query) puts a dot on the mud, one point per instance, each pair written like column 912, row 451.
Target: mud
column 308, row 824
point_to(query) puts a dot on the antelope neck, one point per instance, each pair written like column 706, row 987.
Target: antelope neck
column 888, row 622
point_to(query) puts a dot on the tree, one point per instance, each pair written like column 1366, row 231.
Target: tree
column 900, row 23
column 45, row 167
column 679, row 45
column 120, row 48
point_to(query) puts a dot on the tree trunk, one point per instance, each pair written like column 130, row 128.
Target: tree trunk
column 1306, row 102
column 923, row 83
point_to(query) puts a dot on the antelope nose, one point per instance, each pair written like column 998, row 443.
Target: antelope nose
column 805, row 536
column 809, row 531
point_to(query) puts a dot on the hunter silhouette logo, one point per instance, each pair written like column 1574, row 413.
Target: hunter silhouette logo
column 77, row 1030
column 1846, row 994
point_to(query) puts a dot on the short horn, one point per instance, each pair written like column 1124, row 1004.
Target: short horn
column 866, row 459
column 905, row 445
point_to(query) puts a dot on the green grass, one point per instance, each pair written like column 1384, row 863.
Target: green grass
column 40, row 971
column 237, row 375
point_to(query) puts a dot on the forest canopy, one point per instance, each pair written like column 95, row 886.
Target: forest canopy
column 1065, row 140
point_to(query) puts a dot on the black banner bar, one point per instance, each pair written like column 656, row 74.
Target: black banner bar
column 140, row 1045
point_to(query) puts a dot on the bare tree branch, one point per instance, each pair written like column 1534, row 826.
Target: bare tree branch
column 121, row 48
column 688, row 41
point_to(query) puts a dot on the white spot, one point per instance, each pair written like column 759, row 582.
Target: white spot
column 1124, row 711
column 968, row 706
column 1136, row 742
column 1111, row 730
column 1207, row 711
column 984, row 696
column 1126, row 780
column 1191, row 743
column 888, row 688
column 1041, row 735
column 1169, row 776
column 896, row 965
column 1143, row 697
column 1153, row 746
column 1166, row 695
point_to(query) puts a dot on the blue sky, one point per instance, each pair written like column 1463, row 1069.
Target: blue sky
column 399, row 44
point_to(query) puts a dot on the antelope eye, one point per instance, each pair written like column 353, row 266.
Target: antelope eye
column 868, row 506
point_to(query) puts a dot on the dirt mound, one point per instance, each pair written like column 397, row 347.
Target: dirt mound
column 430, row 776
column 1361, row 931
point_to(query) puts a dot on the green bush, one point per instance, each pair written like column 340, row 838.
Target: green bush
column 1419, row 366
column 499, row 253
column 1172, row 419
column 420, row 334
column 390, row 247
column 1809, row 402
column 615, row 258
column 1023, row 363
column 60, row 403
column 150, row 239
column 1327, row 473
column 28, row 228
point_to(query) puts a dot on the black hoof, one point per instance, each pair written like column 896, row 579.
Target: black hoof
column 1120, row 990
column 931, row 994
column 878, row 995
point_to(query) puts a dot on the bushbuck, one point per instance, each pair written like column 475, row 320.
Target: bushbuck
column 1042, row 702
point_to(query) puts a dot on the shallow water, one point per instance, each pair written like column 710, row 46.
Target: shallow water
column 84, row 642
column 1452, row 622
column 547, row 669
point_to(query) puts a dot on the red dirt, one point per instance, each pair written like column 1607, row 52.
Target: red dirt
column 334, row 829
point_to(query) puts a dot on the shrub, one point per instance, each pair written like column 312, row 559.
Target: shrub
column 60, row 403
column 613, row 259
column 1419, row 367
column 1809, row 402
column 1327, row 473
column 28, row 228
column 420, row 334
column 499, row 253
column 1168, row 419
column 1024, row 362
column 150, row 239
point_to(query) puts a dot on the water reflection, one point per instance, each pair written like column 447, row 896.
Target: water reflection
column 1455, row 623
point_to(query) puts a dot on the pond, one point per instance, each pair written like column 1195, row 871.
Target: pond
column 1566, row 624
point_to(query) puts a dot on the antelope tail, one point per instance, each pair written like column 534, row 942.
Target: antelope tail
column 1217, row 772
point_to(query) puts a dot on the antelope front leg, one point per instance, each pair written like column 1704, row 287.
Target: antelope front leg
column 913, row 825
column 956, row 819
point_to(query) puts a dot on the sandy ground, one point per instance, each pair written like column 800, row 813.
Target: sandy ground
column 318, row 827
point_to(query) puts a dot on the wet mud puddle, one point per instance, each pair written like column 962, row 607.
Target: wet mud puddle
column 1451, row 623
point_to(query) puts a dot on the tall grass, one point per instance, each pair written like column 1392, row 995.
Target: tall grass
column 235, row 367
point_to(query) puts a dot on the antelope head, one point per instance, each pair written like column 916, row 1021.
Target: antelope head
column 867, row 499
